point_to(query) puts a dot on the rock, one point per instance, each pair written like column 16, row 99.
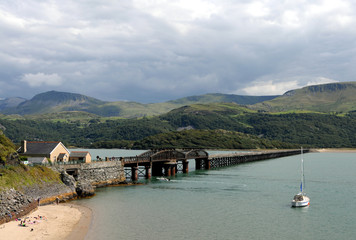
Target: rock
column 68, row 180
column 84, row 189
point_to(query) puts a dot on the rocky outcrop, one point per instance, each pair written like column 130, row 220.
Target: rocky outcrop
column 84, row 189
column 68, row 180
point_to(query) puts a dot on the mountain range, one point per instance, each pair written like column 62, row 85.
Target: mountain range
column 333, row 97
column 54, row 102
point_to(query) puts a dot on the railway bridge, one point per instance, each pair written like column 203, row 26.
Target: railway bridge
column 168, row 162
column 161, row 162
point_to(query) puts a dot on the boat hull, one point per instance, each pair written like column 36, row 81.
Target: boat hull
column 303, row 203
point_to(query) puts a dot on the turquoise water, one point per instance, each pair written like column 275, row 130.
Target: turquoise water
column 248, row 201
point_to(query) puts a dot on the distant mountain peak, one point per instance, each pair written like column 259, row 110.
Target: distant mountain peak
column 330, row 97
column 331, row 87
column 60, row 96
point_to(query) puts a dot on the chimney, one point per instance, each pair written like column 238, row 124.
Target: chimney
column 24, row 146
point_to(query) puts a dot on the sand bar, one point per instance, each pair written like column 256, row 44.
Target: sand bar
column 63, row 221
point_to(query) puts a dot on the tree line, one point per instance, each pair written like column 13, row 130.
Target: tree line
column 307, row 129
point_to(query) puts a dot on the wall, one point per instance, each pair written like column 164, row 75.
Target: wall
column 102, row 173
column 96, row 173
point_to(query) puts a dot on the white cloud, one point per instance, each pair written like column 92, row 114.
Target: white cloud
column 40, row 79
column 270, row 87
column 320, row 80
column 279, row 87
column 257, row 9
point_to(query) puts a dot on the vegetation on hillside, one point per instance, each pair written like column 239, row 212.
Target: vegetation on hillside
column 21, row 176
column 326, row 98
column 6, row 148
column 54, row 102
column 306, row 128
column 208, row 139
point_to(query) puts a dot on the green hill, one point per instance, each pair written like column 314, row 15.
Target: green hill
column 218, row 97
column 209, row 139
column 332, row 97
column 10, row 102
column 55, row 102
column 307, row 128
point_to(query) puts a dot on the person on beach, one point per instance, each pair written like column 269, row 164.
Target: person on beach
column 57, row 200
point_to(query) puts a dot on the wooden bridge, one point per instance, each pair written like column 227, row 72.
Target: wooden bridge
column 168, row 162
column 161, row 162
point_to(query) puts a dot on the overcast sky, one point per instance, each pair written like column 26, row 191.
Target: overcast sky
column 153, row 51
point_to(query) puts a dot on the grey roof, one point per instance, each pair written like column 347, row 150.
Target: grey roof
column 40, row 147
column 79, row 153
column 37, row 160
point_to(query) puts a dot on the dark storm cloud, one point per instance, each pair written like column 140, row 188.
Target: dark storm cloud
column 150, row 51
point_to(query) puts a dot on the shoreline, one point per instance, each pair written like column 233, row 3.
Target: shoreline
column 80, row 230
column 63, row 221
column 333, row 150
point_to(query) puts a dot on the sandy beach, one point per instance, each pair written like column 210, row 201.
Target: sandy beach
column 63, row 221
column 334, row 150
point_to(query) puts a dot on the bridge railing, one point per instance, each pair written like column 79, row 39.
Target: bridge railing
column 136, row 159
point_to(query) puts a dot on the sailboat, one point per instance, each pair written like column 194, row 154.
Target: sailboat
column 301, row 199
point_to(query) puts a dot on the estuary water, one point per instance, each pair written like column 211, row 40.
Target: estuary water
column 247, row 201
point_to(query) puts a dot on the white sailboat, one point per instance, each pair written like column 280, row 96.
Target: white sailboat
column 301, row 199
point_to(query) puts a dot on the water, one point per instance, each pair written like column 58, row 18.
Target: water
column 248, row 201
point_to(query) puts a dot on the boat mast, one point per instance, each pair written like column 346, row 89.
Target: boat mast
column 302, row 168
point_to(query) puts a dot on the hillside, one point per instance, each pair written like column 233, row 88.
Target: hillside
column 307, row 129
column 332, row 97
column 10, row 102
column 6, row 147
column 209, row 139
column 55, row 102
column 218, row 97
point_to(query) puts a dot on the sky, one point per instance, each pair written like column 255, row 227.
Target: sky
column 157, row 50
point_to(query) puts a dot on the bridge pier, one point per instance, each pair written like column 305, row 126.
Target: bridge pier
column 148, row 172
column 134, row 174
column 185, row 166
column 170, row 169
column 197, row 164
column 167, row 170
column 173, row 169
column 207, row 164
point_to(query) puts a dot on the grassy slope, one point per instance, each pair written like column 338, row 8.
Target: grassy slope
column 6, row 147
column 333, row 97
column 54, row 102
column 21, row 176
